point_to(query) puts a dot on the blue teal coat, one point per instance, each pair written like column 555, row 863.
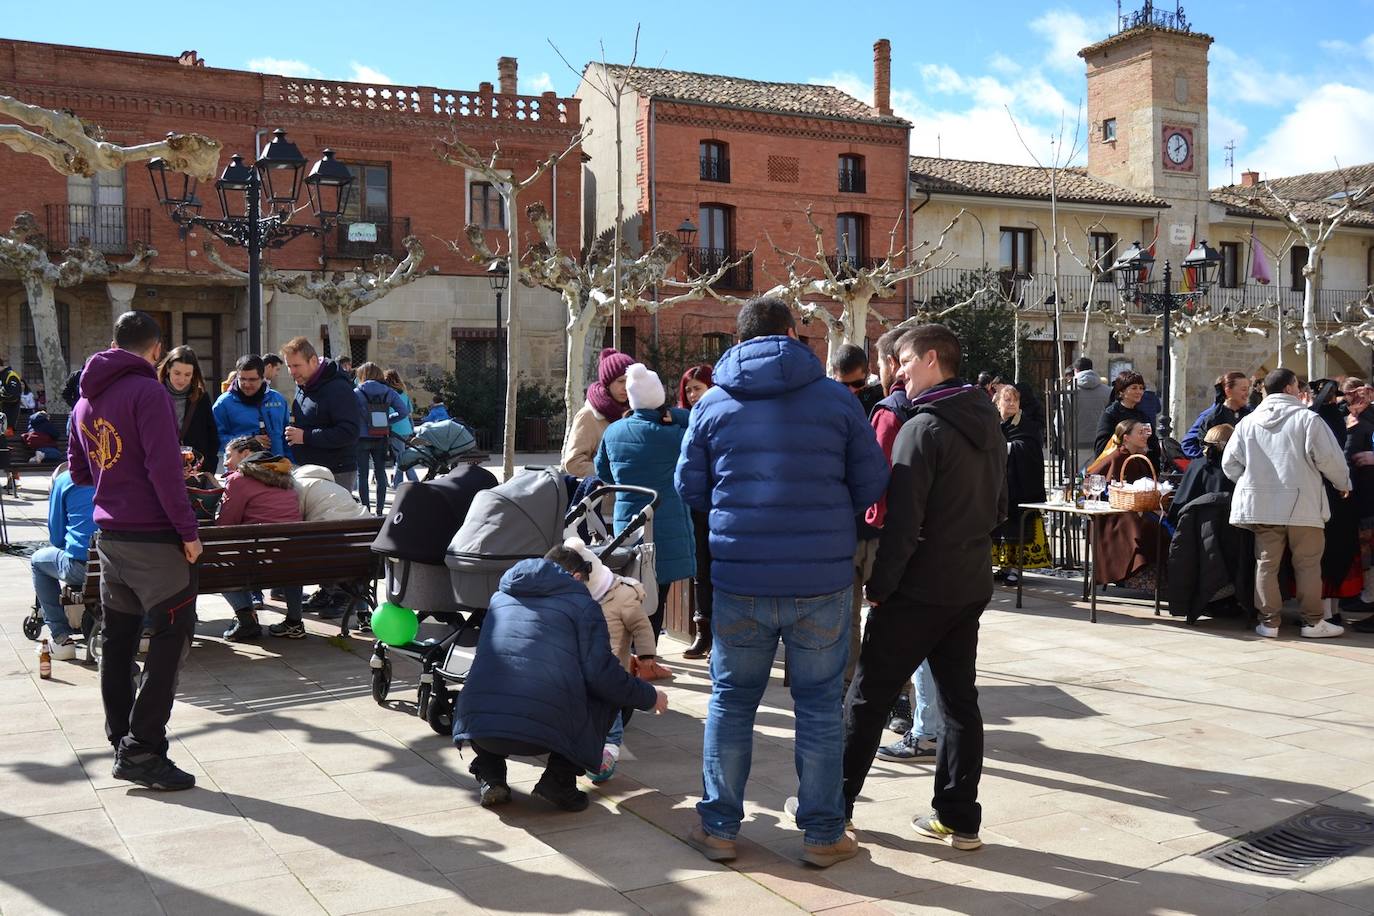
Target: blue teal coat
column 544, row 671
column 234, row 418
column 640, row 451
column 783, row 459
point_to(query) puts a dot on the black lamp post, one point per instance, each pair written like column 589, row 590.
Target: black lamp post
column 498, row 275
column 687, row 234
column 1132, row 271
column 274, row 180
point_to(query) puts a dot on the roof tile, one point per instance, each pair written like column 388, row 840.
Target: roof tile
column 996, row 179
column 1314, row 195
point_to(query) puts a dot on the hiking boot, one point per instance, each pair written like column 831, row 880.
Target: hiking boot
column 846, row 847
column 323, row 597
column 333, row 611
column 491, row 791
column 701, row 644
column 1324, row 629
column 244, row 628
column 789, row 808
column 909, row 748
column 288, row 629
column 567, row 797
column 929, row 825
column 900, row 718
column 152, row 771
column 712, row 847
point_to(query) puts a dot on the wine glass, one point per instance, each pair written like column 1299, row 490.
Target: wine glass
column 1094, row 485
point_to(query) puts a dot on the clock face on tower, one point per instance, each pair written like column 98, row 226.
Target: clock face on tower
column 1178, row 148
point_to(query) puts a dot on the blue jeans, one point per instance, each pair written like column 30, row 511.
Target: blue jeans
column 397, row 447
column 927, row 720
column 746, row 631
column 243, row 601
column 375, row 451
column 616, row 735
column 51, row 568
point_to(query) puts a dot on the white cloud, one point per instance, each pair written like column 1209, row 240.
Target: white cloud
column 1223, row 129
column 1333, row 124
column 1067, row 33
column 362, row 73
column 1336, row 46
column 1243, row 79
column 1368, row 46
column 282, row 67
column 541, row 82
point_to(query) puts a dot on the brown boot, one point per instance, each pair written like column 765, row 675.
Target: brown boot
column 846, row 847
column 712, row 847
column 701, row 645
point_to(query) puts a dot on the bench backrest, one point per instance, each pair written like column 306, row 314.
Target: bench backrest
column 245, row 557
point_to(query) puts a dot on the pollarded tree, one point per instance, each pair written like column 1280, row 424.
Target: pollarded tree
column 456, row 152
column 588, row 288
column 75, row 147
column 342, row 293
column 23, row 249
column 850, row 285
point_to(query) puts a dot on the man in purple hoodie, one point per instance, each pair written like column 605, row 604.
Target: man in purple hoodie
column 124, row 443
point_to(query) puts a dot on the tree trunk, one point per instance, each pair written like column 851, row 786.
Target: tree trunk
column 47, row 334
column 855, row 319
column 619, row 221
column 577, row 330
column 1179, row 354
column 512, row 333
column 1309, row 315
column 337, row 320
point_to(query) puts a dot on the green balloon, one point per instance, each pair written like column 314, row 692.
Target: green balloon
column 395, row 625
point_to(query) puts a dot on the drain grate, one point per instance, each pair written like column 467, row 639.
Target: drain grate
column 1298, row 845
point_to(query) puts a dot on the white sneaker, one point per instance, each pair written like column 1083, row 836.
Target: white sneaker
column 1268, row 632
column 1323, row 630
column 63, row 651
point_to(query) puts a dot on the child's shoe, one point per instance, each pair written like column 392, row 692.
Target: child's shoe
column 610, row 756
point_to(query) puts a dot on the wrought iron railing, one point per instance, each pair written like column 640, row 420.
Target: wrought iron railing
column 706, row 261
column 715, row 168
column 946, row 286
column 355, row 240
column 111, row 229
column 853, row 181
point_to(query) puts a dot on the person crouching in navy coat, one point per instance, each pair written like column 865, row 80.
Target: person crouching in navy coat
column 544, row 681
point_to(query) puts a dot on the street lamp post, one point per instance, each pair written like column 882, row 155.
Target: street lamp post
column 1132, row 271
column 275, row 179
column 686, row 234
column 498, row 275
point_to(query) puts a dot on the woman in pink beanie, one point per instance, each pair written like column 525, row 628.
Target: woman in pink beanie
column 606, row 403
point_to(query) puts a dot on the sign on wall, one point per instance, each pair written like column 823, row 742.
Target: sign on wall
column 362, row 232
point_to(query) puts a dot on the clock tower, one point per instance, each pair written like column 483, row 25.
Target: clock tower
column 1147, row 120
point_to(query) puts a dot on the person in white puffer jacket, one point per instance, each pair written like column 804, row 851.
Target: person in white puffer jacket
column 1277, row 457
column 321, row 499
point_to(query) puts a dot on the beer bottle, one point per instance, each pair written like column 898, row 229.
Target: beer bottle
column 44, row 660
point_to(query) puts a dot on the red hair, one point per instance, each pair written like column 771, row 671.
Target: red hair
column 701, row 373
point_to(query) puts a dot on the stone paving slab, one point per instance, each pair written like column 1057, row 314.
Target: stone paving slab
column 1116, row 753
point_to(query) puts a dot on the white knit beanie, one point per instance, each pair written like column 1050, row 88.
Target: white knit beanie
column 601, row 579
column 642, row 387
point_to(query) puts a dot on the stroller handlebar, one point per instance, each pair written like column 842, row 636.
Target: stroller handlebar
column 638, row 521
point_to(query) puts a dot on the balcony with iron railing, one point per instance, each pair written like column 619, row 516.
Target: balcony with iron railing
column 363, row 239
column 715, row 168
column 111, row 229
column 703, row 262
column 853, row 181
column 1034, row 292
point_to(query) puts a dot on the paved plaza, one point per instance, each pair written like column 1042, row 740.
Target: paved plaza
column 1116, row 753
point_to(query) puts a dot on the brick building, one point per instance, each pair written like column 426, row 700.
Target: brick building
column 387, row 134
column 742, row 160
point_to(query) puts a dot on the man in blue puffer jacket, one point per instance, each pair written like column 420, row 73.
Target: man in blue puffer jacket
column 782, row 458
column 544, row 681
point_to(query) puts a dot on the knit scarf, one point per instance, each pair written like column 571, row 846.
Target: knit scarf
column 604, row 404
column 180, row 404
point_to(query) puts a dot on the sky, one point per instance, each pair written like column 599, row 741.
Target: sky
column 1291, row 86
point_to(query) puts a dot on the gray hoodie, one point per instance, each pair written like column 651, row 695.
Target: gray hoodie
column 1089, row 400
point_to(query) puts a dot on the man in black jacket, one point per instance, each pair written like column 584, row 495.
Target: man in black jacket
column 933, row 578
column 325, row 418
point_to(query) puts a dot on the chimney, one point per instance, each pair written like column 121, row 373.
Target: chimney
column 882, row 77
column 505, row 69
column 1249, row 179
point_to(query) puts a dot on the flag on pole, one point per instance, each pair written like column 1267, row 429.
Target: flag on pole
column 1144, row 274
column 1260, row 269
column 1190, row 273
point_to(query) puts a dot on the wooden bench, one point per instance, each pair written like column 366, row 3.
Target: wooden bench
column 262, row 557
column 16, row 462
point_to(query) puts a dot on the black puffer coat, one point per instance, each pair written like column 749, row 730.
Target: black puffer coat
column 1207, row 554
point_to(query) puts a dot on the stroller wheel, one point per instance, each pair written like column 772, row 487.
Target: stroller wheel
column 381, row 681
column 33, row 626
column 440, row 712
column 422, row 702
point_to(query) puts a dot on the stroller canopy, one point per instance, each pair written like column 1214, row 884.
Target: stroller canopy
column 443, row 439
column 520, row 518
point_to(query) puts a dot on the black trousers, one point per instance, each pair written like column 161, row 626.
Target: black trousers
column 491, row 754
column 702, row 581
column 141, row 578
column 899, row 636
column 656, row 618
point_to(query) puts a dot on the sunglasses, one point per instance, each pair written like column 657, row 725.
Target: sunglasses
column 858, row 384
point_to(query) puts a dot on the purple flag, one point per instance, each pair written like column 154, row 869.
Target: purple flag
column 1260, row 269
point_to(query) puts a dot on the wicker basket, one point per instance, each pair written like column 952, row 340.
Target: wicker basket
column 1118, row 497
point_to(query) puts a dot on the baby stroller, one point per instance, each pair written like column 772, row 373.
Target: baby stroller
column 520, row 519
column 437, row 447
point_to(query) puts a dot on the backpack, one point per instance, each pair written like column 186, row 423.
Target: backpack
column 378, row 417
column 11, row 385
